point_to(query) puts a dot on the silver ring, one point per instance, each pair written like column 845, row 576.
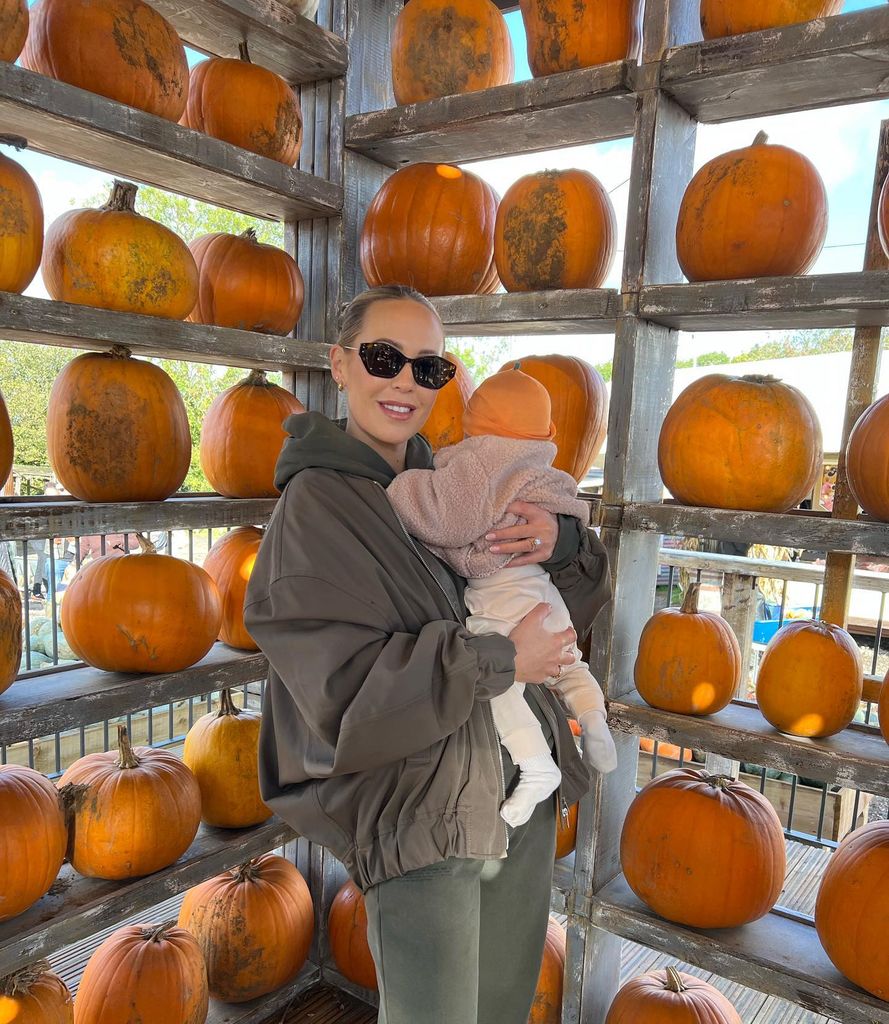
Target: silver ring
column 559, row 673
column 536, row 542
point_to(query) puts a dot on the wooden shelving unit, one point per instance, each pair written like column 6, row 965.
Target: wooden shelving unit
column 592, row 311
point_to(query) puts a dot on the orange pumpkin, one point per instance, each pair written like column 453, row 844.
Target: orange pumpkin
column 34, row 838
column 13, row 32
column 10, row 631
column 748, row 443
column 564, row 34
column 754, row 212
column 810, row 679
column 141, row 612
column 445, row 47
column 554, row 229
column 144, row 973
column 733, row 17
column 883, row 216
column 733, row 871
column 246, row 105
column 34, row 995
column 852, row 909
column 670, row 997
column 21, row 226
column 229, row 564
column 242, row 436
column 117, row 429
column 431, row 226
column 7, row 445
column 254, row 926
column 547, row 1005
column 566, row 833
column 867, row 459
column 579, row 407
column 668, row 751
column 114, row 258
column 133, row 54
column 347, row 931
column 222, row 752
column 444, row 425
column 883, row 708
column 247, row 284
column 132, row 811
column 688, row 661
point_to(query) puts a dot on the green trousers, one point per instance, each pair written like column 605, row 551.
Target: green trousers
column 460, row 942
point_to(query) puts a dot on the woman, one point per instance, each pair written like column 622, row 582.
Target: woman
column 377, row 736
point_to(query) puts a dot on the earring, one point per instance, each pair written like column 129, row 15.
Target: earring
column 340, row 386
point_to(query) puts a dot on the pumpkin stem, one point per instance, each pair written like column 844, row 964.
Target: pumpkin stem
column 16, row 141
column 761, row 139
column 126, row 756
column 145, row 545
column 123, row 197
column 71, row 797
column 721, row 782
column 761, row 378
column 247, row 872
column 517, row 365
column 243, row 52
column 674, row 981
column 119, row 352
column 20, row 982
column 226, row 705
column 250, row 235
column 257, row 378
column 158, row 931
column 690, row 601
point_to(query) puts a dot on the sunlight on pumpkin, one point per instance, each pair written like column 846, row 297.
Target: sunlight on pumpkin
column 703, row 695
column 247, row 567
column 10, row 1010
column 810, row 724
column 446, row 171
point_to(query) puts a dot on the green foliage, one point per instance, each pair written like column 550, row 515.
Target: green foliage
column 682, row 364
column 480, row 356
column 801, row 343
column 606, row 370
column 713, row 359
column 26, row 376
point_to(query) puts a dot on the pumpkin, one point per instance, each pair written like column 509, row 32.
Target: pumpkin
column 10, row 631
column 242, row 436
column 810, row 679
column 554, row 229
column 13, row 32
column 347, row 932
column 131, row 811
column 852, row 909
column 34, row 838
column 547, row 1005
column 883, row 216
column 229, row 564
column 688, row 661
column 444, row 425
column 7, row 446
column 128, row 52
column 754, row 212
column 749, row 443
column 564, row 34
column 21, row 226
column 867, row 459
column 733, row 17
column 883, row 708
column 144, row 974
column 579, row 407
column 117, row 429
column 733, row 871
column 668, row 751
column 246, row 105
column 247, row 284
column 141, row 612
column 34, row 995
column 114, row 258
column 222, row 751
column 431, row 226
column 445, row 47
column 254, row 926
column 566, row 833
column 670, row 997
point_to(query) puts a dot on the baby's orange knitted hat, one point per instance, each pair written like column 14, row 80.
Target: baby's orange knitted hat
column 510, row 404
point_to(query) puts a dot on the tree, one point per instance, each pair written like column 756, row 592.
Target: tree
column 481, row 356
column 27, row 373
column 713, row 359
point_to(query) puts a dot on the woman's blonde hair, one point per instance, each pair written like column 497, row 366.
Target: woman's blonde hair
column 355, row 312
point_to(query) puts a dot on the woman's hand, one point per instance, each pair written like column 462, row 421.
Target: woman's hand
column 540, row 654
column 539, row 525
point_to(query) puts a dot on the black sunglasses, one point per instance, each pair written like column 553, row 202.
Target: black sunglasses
column 384, row 360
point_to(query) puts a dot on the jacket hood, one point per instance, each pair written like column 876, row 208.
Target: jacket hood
column 316, row 442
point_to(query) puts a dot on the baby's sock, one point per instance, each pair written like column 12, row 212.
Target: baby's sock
column 598, row 746
column 539, row 777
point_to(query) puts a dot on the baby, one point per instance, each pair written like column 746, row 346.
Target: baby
column 507, row 456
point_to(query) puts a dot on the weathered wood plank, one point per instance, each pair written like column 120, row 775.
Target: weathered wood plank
column 70, row 123
column 279, row 39
column 587, row 310
column 77, row 906
column 44, row 704
column 822, row 300
column 588, row 105
column 855, row 758
column 26, row 318
column 266, row 1008
column 774, row 955
column 821, row 63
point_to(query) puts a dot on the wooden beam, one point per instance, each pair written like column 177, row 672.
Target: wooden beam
column 581, row 310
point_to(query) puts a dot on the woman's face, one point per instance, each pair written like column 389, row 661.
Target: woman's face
column 390, row 410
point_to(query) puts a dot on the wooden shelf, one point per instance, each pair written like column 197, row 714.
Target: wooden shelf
column 825, row 300
column 24, row 518
column 261, row 1010
column 857, row 758
column 25, row 318
column 577, row 311
column 278, row 39
column 584, row 106
column 822, row 63
column 77, row 906
column 776, row 955
column 70, row 123
column 44, row 704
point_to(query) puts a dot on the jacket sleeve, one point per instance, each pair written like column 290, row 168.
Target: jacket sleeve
column 583, row 580
column 368, row 696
